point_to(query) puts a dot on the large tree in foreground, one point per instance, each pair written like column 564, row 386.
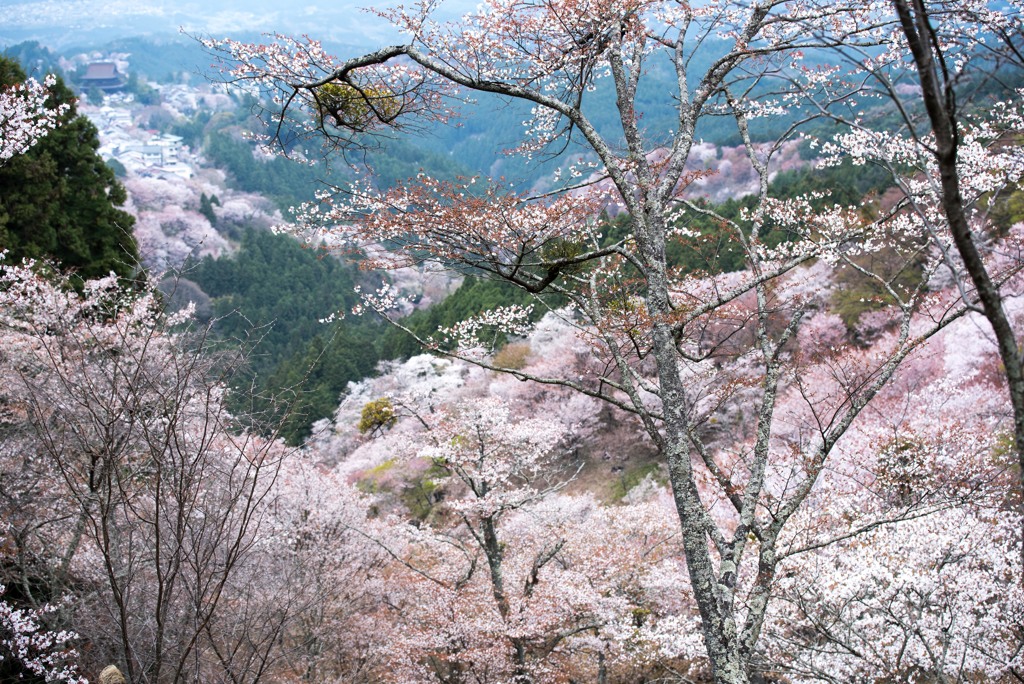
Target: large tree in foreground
column 685, row 353
column 125, row 482
column 959, row 193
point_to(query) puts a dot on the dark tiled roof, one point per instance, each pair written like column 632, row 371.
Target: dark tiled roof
column 101, row 71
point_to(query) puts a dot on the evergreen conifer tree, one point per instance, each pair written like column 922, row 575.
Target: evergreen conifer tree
column 60, row 200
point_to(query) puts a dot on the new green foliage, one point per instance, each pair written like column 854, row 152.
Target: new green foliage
column 377, row 416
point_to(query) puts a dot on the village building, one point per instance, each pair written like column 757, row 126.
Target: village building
column 104, row 76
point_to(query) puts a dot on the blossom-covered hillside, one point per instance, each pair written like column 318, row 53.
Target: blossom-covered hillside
column 694, row 413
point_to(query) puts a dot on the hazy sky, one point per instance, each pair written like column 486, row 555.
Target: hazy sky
column 62, row 22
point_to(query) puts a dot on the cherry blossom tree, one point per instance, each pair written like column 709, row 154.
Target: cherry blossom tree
column 935, row 593
column 953, row 162
column 499, row 466
column 25, row 116
column 321, row 576
column 746, row 424
column 935, row 596
column 510, row 579
column 139, row 484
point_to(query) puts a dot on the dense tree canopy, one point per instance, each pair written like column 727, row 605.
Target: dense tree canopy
column 272, row 295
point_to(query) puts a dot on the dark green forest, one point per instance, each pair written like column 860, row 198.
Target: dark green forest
column 272, row 296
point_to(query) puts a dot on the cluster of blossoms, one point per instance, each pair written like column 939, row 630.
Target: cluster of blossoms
column 384, row 299
column 986, row 162
column 107, row 314
column 25, row 116
column 45, row 653
column 494, row 456
column 466, row 335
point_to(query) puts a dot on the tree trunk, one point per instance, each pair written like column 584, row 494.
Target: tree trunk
column 940, row 103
